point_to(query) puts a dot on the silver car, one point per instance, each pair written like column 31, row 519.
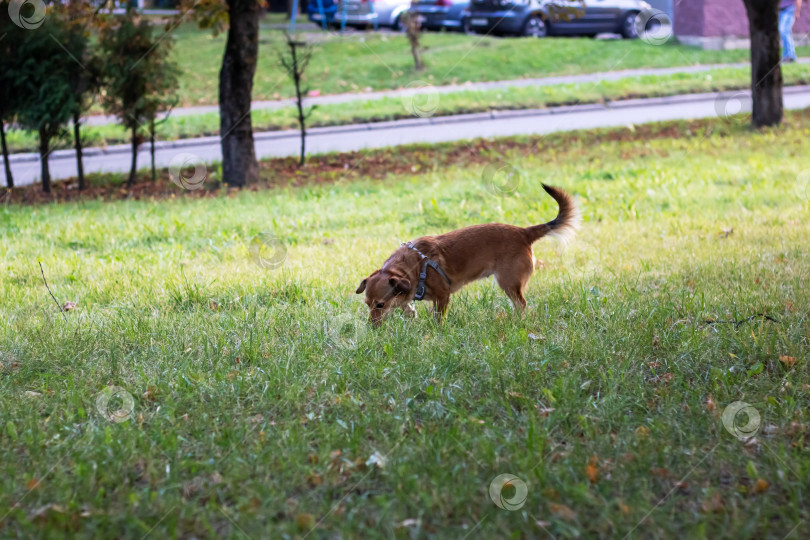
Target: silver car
column 364, row 13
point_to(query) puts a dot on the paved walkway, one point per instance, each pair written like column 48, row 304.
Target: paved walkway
column 25, row 167
column 519, row 83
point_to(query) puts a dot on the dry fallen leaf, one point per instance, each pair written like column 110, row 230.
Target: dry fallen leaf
column 592, row 469
column 761, row 486
column 642, row 431
column 788, row 361
column 562, row 511
column 710, row 405
column 69, row 305
column 305, row 522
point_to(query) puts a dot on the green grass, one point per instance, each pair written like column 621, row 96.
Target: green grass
column 263, row 405
column 380, row 61
column 180, row 127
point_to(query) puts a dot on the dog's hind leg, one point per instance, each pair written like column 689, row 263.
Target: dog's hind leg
column 514, row 278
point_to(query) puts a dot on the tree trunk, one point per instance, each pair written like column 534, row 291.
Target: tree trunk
column 152, row 147
column 77, row 143
column 766, row 72
column 134, row 164
column 45, row 171
column 239, row 165
column 412, row 28
column 9, row 177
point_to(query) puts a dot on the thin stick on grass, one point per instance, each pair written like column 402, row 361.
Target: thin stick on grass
column 52, row 296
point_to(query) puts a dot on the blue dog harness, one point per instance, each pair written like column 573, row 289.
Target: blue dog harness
column 420, row 287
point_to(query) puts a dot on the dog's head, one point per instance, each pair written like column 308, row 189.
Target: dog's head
column 385, row 290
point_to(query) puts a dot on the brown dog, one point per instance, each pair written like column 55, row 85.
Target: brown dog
column 434, row 267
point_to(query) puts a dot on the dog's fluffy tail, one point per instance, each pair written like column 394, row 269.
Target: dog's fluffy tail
column 565, row 225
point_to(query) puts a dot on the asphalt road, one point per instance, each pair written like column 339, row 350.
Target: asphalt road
column 25, row 167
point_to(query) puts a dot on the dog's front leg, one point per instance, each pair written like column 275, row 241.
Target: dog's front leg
column 440, row 306
column 409, row 311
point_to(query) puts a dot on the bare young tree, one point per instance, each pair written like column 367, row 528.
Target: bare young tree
column 296, row 64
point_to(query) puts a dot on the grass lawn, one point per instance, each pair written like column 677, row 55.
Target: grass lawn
column 390, row 108
column 377, row 61
column 263, row 405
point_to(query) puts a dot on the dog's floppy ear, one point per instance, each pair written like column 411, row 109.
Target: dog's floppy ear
column 363, row 283
column 400, row 284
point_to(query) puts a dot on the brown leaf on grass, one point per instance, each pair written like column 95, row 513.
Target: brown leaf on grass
column 562, row 511
column 788, row 361
column 67, row 306
column 149, row 395
column 795, row 428
column 642, row 431
column 592, row 470
column 713, row 504
column 305, row 522
column 32, row 484
column 656, row 341
column 314, row 480
column 710, row 405
column 761, row 486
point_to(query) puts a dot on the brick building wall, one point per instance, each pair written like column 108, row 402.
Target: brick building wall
column 722, row 22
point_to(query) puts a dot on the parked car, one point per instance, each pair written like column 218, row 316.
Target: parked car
column 363, row 13
column 539, row 18
column 326, row 11
column 441, row 14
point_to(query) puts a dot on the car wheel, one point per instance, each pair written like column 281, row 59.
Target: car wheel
column 629, row 26
column 534, row 27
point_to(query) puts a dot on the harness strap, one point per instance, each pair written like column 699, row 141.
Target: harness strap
column 420, row 287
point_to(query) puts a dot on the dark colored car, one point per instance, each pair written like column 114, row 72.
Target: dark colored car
column 440, row 14
column 318, row 13
column 539, row 18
